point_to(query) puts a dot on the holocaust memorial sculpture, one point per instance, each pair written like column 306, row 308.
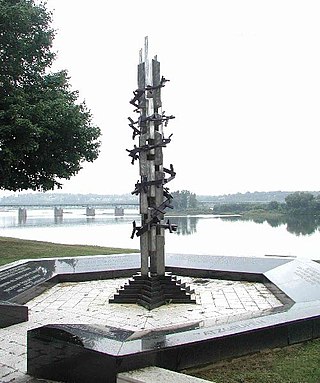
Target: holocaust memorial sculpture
column 152, row 287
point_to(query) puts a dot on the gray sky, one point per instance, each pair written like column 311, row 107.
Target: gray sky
column 245, row 89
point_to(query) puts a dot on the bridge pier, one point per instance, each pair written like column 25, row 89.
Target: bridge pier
column 119, row 211
column 58, row 212
column 90, row 211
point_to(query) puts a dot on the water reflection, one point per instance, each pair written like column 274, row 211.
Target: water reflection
column 22, row 216
column 298, row 225
column 45, row 269
column 72, row 262
column 186, row 225
column 303, row 225
column 196, row 234
column 57, row 220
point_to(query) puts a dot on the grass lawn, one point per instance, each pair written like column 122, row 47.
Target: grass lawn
column 294, row 364
column 13, row 249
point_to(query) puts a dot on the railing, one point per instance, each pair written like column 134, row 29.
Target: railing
column 90, row 209
column 53, row 205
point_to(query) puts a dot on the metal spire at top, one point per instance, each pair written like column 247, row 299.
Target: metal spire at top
column 146, row 48
column 148, row 65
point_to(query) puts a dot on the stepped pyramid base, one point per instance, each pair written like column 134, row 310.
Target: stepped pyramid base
column 151, row 291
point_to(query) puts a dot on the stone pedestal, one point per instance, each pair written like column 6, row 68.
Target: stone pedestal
column 154, row 291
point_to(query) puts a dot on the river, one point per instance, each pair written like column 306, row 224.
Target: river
column 196, row 234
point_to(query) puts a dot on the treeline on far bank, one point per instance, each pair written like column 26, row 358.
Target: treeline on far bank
column 185, row 202
column 297, row 203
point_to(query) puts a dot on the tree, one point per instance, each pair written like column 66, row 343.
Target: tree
column 45, row 135
column 184, row 200
column 273, row 205
column 299, row 201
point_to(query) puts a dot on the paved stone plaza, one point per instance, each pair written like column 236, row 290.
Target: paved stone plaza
column 218, row 301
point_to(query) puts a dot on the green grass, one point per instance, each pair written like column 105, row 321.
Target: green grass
column 13, row 249
column 262, row 214
column 294, row 364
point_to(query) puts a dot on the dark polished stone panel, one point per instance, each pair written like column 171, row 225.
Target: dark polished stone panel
column 11, row 313
column 18, row 279
column 58, row 351
column 300, row 331
column 316, row 328
column 61, row 356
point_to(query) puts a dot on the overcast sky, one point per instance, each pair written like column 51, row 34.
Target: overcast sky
column 245, row 89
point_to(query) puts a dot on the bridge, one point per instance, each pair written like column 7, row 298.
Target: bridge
column 70, row 205
column 90, row 209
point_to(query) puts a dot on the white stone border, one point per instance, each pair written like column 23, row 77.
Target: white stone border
column 156, row 375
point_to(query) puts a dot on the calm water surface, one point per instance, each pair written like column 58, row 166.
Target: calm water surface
column 196, row 234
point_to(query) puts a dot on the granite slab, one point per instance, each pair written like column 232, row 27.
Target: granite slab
column 11, row 313
column 299, row 279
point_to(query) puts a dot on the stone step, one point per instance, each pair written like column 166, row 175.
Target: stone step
column 153, row 291
column 156, row 375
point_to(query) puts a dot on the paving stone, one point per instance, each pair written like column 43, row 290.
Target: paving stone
column 5, row 370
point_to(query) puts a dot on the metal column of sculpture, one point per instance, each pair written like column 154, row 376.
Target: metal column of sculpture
column 152, row 287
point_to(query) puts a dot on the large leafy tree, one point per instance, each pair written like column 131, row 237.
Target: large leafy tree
column 300, row 201
column 184, row 199
column 45, row 135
